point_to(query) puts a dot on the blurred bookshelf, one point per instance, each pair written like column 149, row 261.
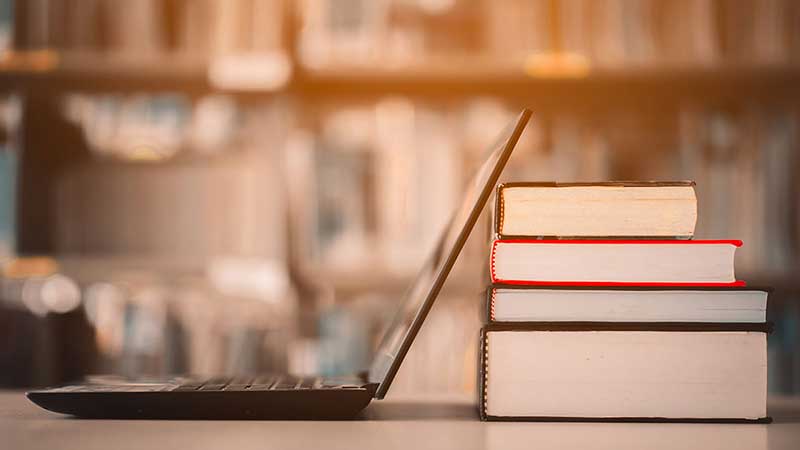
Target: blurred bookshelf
column 316, row 148
column 443, row 79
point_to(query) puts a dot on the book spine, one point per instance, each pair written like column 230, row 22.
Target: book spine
column 492, row 261
column 483, row 369
column 490, row 296
column 499, row 211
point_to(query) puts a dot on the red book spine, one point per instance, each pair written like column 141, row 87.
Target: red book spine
column 495, row 279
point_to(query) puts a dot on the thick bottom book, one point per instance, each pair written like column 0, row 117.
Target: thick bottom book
column 624, row 372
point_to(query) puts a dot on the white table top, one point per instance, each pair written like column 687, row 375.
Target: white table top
column 441, row 423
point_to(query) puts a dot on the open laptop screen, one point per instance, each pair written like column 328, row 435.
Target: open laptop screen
column 403, row 328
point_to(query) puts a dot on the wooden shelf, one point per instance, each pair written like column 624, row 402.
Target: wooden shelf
column 454, row 78
column 50, row 71
column 610, row 86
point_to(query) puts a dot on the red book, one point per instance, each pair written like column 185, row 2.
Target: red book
column 614, row 262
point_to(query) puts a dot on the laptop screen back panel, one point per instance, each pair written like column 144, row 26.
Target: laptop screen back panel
column 419, row 298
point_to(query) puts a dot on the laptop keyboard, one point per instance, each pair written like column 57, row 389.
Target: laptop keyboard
column 262, row 383
column 183, row 384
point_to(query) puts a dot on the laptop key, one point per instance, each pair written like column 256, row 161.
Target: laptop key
column 263, row 383
column 307, row 383
column 340, row 386
column 244, row 379
column 265, row 379
column 284, row 383
column 239, row 383
column 188, row 387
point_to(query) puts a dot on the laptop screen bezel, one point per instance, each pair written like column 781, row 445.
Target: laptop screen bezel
column 505, row 147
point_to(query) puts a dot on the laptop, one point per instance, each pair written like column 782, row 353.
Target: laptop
column 284, row 396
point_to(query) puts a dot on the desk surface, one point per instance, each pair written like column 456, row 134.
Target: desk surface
column 394, row 423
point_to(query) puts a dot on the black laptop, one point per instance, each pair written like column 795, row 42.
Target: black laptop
column 285, row 396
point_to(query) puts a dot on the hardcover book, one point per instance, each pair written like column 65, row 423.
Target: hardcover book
column 516, row 303
column 655, row 210
column 624, row 372
column 614, row 262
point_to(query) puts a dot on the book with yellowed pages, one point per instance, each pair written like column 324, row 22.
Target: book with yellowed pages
column 651, row 209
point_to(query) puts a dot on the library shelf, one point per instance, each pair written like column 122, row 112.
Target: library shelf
column 437, row 78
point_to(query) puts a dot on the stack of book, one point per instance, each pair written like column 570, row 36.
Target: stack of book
column 603, row 307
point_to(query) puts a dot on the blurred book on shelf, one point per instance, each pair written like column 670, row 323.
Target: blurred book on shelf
column 9, row 166
column 379, row 178
column 596, row 33
column 746, row 160
column 145, row 27
column 539, row 37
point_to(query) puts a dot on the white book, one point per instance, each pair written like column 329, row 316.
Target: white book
column 634, row 375
column 614, row 262
column 626, row 304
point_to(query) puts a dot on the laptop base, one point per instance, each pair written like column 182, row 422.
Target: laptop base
column 207, row 401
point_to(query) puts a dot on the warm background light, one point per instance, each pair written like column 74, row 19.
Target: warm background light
column 246, row 186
